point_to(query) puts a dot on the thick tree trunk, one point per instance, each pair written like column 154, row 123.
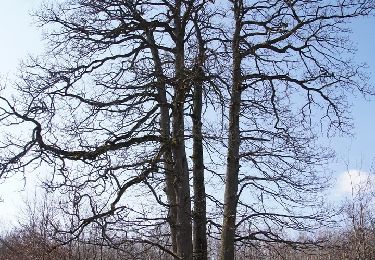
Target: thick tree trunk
column 199, row 216
column 231, row 186
column 182, row 187
column 165, row 133
column 181, row 183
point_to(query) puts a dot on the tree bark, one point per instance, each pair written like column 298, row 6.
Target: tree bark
column 181, row 182
column 199, row 216
column 199, row 232
column 231, row 186
column 165, row 133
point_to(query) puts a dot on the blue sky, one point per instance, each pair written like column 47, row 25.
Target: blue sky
column 19, row 38
column 359, row 151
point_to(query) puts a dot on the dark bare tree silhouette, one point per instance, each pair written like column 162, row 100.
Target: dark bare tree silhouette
column 133, row 99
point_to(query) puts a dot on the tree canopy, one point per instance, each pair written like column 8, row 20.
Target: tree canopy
column 144, row 112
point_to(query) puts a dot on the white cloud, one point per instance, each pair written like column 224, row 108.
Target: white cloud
column 354, row 181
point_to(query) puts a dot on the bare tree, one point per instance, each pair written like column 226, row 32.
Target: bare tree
column 126, row 88
column 128, row 127
column 287, row 72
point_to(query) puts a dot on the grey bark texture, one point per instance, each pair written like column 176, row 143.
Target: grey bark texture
column 181, row 182
column 165, row 123
column 199, row 216
column 233, row 157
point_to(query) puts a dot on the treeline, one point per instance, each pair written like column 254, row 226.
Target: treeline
column 28, row 243
column 36, row 238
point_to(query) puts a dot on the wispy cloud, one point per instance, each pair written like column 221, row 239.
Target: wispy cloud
column 354, row 181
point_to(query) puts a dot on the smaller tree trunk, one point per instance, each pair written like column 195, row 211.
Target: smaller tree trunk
column 165, row 133
column 231, row 186
column 181, row 182
column 199, row 216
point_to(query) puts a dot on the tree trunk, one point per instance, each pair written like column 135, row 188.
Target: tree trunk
column 165, row 133
column 181, row 182
column 199, row 216
column 199, row 232
column 231, row 186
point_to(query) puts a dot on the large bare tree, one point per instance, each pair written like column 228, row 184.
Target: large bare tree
column 289, row 71
column 99, row 107
column 135, row 102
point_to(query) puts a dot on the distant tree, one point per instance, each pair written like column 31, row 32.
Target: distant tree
column 32, row 237
column 359, row 220
column 132, row 99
